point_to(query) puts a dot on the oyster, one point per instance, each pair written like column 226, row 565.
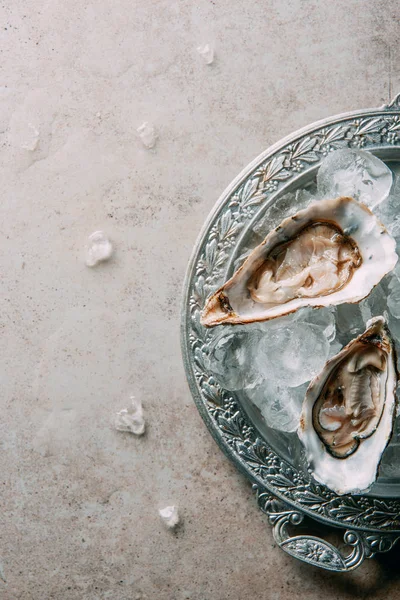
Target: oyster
column 332, row 252
column 348, row 411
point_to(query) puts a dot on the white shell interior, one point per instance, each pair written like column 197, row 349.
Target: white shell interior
column 357, row 472
column 376, row 246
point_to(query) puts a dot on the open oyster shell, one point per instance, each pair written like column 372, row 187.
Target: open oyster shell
column 348, row 412
column 332, row 252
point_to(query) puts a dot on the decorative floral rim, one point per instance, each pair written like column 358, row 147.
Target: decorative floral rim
column 261, row 181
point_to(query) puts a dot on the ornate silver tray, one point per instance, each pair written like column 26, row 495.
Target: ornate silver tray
column 371, row 522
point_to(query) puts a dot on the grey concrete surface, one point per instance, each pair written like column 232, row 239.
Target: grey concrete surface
column 79, row 501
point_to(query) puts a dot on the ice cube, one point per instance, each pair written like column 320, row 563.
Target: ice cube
column 304, row 198
column 169, row 516
column 323, row 317
column 231, row 357
column 131, row 419
column 393, row 300
column 335, row 348
column 394, row 327
column 394, row 230
column 293, row 354
column 390, row 463
column 31, row 138
column 279, row 405
column 388, row 211
column 285, row 206
column 147, row 134
column 356, row 173
column 98, row 249
column 375, row 304
column 349, row 322
column 207, row 53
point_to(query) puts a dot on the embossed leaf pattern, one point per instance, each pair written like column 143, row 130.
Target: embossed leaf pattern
column 334, row 134
column 303, row 150
column 211, row 249
column 280, row 481
column 199, row 289
column 230, row 420
column 198, row 328
column 395, row 124
column 334, row 138
column 306, row 497
column 255, row 200
column 369, row 126
column 212, row 393
column 247, row 192
column 199, row 357
column 272, row 168
column 231, row 425
column 214, row 257
column 227, row 226
column 274, row 171
column 381, row 516
column 253, row 454
column 349, row 512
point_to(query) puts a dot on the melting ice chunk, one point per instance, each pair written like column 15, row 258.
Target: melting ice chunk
column 293, row 354
column 147, row 134
column 356, row 173
column 323, row 317
column 349, row 322
column 231, row 357
column 98, row 249
column 389, row 466
column 207, row 52
column 389, row 212
column 393, row 300
column 394, row 230
column 169, row 516
column 31, row 138
column 131, row 419
column 279, row 405
column 375, row 304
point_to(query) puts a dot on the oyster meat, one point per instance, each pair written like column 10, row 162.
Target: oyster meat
column 332, row 252
column 348, row 411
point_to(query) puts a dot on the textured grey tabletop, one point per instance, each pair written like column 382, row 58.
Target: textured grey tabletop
column 79, row 500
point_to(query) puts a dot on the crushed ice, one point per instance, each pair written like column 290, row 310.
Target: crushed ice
column 356, row 173
column 170, row 516
column 279, row 405
column 131, row 419
column 271, row 363
column 147, row 134
column 98, row 249
column 303, row 351
column 393, row 300
column 231, row 357
column 31, row 138
column 207, row 53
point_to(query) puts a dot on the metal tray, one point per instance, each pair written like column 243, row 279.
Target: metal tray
column 284, row 492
